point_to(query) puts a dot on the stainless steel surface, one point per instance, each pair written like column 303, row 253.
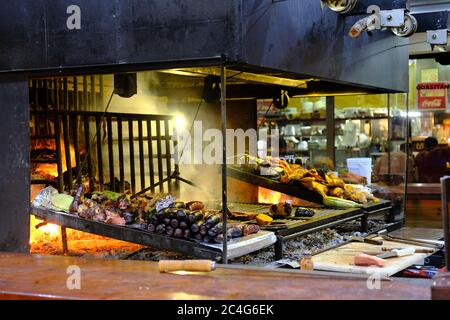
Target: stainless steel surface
column 445, row 182
column 418, row 233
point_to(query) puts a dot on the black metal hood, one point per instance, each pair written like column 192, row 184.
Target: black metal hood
column 292, row 38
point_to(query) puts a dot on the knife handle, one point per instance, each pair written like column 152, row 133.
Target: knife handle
column 373, row 241
column 186, row 265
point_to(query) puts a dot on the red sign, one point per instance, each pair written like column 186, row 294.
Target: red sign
column 432, row 96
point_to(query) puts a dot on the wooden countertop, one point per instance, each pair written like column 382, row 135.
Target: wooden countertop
column 44, row 277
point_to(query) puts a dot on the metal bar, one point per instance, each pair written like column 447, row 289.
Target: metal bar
column 133, row 117
column 150, row 154
column 85, row 94
column 98, row 130
column 64, row 240
column 45, row 105
column 223, row 117
column 159, row 154
column 56, row 94
column 389, row 134
column 92, row 94
column 330, row 129
column 407, row 134
column 58, row 153
column 110, row 154
column 75, row 93
column 445, row 218
column 168, row 154
column 141, row 155
column 66, row 96
column 101, row 90
column 143, row 237
column 120, row 144
column 87, row 141
column 35, row 117
column 132, row 169
column 76, row 146
column 66, row 133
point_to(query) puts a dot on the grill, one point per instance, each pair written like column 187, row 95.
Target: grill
column 230, row 39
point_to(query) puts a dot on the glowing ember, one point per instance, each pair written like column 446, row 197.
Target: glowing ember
column 50, row 170
column 268, row 196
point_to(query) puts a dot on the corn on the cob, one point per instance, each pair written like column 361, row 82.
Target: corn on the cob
column 340, row 203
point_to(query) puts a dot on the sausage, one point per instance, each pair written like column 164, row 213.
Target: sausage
column 362, row 259
column 250, row 229
column 195, row 205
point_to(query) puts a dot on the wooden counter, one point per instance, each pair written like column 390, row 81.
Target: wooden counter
column 45, row 277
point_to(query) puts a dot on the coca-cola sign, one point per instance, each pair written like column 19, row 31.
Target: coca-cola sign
column 432, row 96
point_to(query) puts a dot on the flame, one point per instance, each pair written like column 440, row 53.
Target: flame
column 268, row 196
column 48, row 231
column 50, row 170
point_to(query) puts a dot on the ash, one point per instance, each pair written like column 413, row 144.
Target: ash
column 314, row 242
column 293, row 249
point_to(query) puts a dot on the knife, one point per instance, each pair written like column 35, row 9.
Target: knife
column 397, row 253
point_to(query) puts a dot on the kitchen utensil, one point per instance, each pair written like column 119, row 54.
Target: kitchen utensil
column 186, row 265
column 365, row 240
column 412, row 241
column 397, row 253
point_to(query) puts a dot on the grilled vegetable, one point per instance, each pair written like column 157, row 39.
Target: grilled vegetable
column 169, row 231
column 281, row 210
column 263, row 219
column 195, row 228
column 198, row 215
column 203, row 230
column 151, row 227
column 212, row 233
column 174, row 223
column 181, row 215
column 178, row 233
column 198, row 236
column 334, row 202
column 235, row 232
column 304, row 212
column 190, row 218
column 129, row 217
column 61, row 201
column 213, row 220
column 178, row 205
column 183, row 225
column 160, row 228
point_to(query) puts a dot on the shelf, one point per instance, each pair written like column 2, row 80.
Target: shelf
column 274, row 185
column 324, row 119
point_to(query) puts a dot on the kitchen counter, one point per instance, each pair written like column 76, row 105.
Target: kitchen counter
column 45, row 277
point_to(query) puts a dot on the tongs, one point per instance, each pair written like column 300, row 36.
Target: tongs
column 420, row 243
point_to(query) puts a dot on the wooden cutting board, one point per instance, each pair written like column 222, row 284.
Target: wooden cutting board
column 341, row 259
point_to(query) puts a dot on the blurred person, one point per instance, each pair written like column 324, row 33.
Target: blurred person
column 397, row 166
column 431, row 162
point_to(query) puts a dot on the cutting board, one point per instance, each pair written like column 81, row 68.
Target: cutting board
column 341, row 259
